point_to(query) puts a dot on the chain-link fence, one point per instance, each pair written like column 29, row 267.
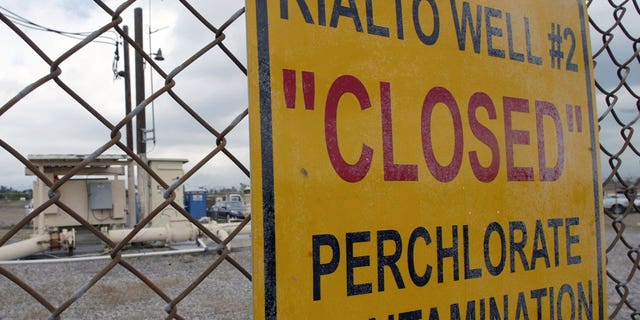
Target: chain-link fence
column 615, row 36
column 113, row 138
column 615, row 41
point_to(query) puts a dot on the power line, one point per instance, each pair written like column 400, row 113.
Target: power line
column 19, row 20
column 22, row 21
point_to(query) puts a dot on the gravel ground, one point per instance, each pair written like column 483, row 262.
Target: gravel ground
column 225, row 294
column 620, row 266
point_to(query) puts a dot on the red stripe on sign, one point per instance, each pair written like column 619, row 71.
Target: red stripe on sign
column 579, row 118
column 309, row 89
column 289, row 84
column 570, row 118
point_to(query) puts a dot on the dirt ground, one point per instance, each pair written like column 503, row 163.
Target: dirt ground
column 11, row 212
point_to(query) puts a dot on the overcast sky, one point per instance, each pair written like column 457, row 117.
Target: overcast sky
column 48, row 121
column 606, row 73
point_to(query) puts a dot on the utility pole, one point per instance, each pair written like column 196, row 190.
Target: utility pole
column 141, row 147
column 139, row 63
column 131, row 190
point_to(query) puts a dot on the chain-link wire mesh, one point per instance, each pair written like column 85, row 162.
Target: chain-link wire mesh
column 615, row 37
column 114, row 139
column 615, row 41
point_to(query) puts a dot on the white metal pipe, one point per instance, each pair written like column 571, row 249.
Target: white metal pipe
column 107, row 257
column 229, row 227
column 25, row 248
column 169, row 233
column 223, row 235
column 146, row 234
column 174, row 232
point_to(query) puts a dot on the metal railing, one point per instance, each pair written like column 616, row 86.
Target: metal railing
column 615, row 37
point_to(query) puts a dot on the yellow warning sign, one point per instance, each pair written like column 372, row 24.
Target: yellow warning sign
column 424, row 160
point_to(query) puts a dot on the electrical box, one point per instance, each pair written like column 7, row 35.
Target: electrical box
column 169, row 170
column 100, row 195
column 96, row 193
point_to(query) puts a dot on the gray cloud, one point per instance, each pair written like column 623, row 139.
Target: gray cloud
column 49, row 121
